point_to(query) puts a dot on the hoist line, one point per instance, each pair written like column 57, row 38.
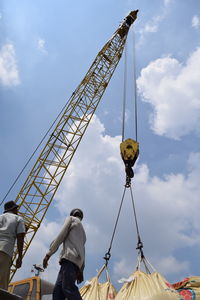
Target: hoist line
column 107, row 255
column 145, row 262
column 135, row 88
column 135, row 215
column 128, row 180
column 124, row 93
column 22, row 170
column 139, row 242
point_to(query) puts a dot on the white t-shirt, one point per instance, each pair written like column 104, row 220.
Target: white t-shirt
column 73, row 238
column 10, row 226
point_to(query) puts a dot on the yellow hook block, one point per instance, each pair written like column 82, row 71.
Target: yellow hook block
column 129, row 152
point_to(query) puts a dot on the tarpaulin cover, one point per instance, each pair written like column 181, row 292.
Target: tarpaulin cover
column 94, row 290
column 142, row 286
column 189, row 288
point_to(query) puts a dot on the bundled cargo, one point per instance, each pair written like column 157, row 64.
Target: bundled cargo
column 189, row 288
column 142, row 286
column 94, row 290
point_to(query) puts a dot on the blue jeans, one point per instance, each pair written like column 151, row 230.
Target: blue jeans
column 65, row 287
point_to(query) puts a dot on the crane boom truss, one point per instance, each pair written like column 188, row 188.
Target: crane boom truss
column 43, row 180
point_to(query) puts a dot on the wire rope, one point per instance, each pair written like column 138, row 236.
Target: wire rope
column 141, row 257
column 135, row 88
column 128, row 179
column 135, row 215
column 107, row 255
column 124, row 93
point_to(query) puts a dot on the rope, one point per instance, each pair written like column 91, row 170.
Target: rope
column 134, row 210
column 124, row 93
column 139, row 243
column 135, row 88
column 108, row 254
column 128, row 179
column 20, row 173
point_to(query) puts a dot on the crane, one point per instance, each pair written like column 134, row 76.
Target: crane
column 40, row 186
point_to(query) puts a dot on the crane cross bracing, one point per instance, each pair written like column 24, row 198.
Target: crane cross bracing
column 43, row 180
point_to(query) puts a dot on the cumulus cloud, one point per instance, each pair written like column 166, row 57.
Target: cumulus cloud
column 170, row 264
column 150, row 27
column 196, row 22
column 41, row 46
column 39, row 247
column 167, row 220
column 123, row 267
column 168, row 211
column 173, row 90
column 153, row 25
column 9, row 74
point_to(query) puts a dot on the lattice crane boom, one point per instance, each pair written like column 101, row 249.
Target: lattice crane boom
column 43, row 180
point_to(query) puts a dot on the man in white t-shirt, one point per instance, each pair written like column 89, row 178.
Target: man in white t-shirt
column 12, row 228
column 72, row 258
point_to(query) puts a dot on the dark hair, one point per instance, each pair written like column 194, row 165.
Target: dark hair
column 77, row 212
column 10, row 205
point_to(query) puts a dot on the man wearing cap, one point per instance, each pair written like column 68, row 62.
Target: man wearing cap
column 12, row 228
column 72, row 258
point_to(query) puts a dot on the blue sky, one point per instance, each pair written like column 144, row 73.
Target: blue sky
column 46, row 47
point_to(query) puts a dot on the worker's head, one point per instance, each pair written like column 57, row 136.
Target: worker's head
column 11, row 206
column 77, row 212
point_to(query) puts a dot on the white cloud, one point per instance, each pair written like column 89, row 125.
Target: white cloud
column 196, row 22
column 152, row 26
column 37, row 251
column 171, row 265
column 9, row 74
column 124, row 268
column 168, row 211
column 173, row 90
column 41, row 46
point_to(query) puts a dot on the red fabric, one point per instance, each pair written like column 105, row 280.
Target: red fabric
column 187, row 294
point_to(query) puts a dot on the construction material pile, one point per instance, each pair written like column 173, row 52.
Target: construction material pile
column 139, row 286
column 189, row 288
column 147, row 286
column 93, row 289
